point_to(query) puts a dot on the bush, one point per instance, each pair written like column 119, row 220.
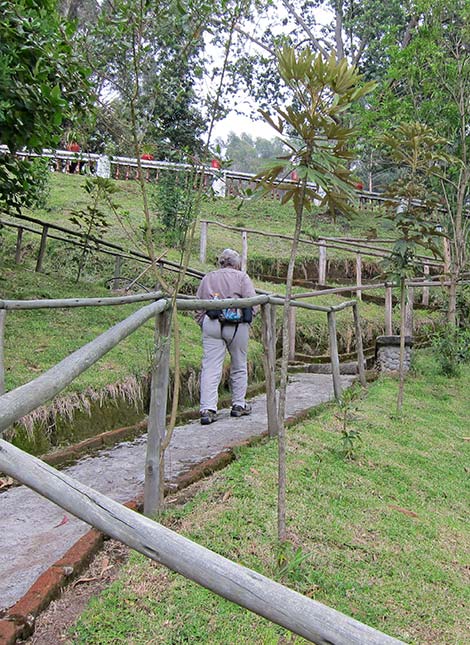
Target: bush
column 451, row 347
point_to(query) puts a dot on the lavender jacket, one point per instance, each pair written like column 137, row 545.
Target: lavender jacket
column 224, row 283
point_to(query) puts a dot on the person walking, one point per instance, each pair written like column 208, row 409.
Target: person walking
column 220, row 334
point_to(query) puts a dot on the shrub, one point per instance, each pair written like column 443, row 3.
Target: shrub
column 451, row 347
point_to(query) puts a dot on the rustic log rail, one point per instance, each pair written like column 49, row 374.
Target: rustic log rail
column 32, row 394
column 247, row 588
column 323, row 243
column 306, row 617
column 102, row 246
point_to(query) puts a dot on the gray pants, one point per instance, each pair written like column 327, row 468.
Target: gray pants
column 216, row 339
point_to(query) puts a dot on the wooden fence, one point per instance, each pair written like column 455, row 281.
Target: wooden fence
column 301, row 615
column 359, row 248
column 230, row 183
column 48, row 231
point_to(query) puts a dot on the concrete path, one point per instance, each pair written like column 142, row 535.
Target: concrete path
column 35, row 533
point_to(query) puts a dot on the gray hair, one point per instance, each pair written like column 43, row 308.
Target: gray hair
column 230, row 258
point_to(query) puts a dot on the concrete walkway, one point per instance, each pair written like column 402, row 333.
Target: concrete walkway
column 35, row 533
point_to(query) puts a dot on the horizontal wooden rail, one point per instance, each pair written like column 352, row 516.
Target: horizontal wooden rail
column 66, row 303
column 198, row 305
column 303, row 305
column 343, row 305
column 303, row 616
column 104, row 246
column 25, row 398
column 362, row 248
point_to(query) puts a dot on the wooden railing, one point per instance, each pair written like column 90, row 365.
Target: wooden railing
column 231, row 183
column 358, row 248
column 48, row 231
column 303, row 616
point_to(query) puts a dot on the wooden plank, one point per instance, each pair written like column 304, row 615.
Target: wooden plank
column 154, row 462
column 195, row 304
column 59, row 303
column 268, row 315
column 302, row 615
column 388, row 311
column 42, row 249
column 359, row 346
column 19, row 242
column 244, row 255
column 203, row 241
column 334, row 354
column 277, row 300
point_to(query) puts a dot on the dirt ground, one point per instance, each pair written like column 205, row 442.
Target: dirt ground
column 53, row 625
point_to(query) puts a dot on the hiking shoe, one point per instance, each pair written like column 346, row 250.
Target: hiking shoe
column 208, row 417
column 240, row 411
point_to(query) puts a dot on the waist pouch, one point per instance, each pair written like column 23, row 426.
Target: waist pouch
column 231, row 315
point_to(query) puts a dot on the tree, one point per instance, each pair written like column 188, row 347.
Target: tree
column 360, row 31
column 41, row 84
column 417, row 152
column 429, row 80
column 322, row 91
column 248, row 154
column 146, row 61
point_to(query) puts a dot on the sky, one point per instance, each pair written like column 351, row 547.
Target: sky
column 240, row 123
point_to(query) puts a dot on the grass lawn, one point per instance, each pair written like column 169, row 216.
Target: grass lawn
column 383, row 537
column 67, row 193
column 36, row 340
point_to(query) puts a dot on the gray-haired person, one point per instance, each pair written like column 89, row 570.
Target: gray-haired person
column 218, row 335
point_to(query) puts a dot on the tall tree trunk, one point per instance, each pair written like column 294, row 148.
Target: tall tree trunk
column 282, row 468
column 401, row 385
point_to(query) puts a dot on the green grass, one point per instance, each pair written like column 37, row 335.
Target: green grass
column 38, row 339
column 66, row 193
column 383, row 538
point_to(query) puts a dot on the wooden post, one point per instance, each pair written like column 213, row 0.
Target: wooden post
column 244, row 250
column 292, row 325
column 409, row 311
column 322, row 262
column 42, row 249
column 154, row 463
column 447, row 258
column 359, row 347
column 117, row 271
column 359, row 275
column 203, row 242
column 388, row 311
column 334, row 354
column 3, row 314
column 268, row 315
column 425, row 300
column 19, row 241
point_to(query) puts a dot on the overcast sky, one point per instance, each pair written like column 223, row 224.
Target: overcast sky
column 239, row 123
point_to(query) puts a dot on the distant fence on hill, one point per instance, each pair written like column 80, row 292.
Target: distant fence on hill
column 225, row 182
